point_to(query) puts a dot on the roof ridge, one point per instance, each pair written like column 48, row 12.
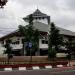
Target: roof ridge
column 37, row 11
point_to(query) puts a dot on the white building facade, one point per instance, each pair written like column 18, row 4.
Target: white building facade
column 41, row 21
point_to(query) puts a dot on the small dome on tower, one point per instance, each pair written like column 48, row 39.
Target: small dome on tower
column 38, row 15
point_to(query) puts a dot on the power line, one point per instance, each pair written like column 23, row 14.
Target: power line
column 8, row 28
column 5, row 32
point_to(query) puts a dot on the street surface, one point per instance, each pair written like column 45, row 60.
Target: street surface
column 39, row 72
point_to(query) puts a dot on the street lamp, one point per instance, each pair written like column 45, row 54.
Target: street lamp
column 2, row 3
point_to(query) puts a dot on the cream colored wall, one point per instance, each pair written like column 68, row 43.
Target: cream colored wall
column 16, row 46
column 61, row 54
column 19, row 46
column 41, row 20
column 42, row 46
column 2, row 49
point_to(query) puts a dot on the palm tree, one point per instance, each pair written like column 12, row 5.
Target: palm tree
column 23, row 32
column 31, row 35
column 36, row 35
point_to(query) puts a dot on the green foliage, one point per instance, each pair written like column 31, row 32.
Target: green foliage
column 8, row 50
column 55, row 39
column 52, row 53
column 69, row 56
column 70, row 45
column 30, row 35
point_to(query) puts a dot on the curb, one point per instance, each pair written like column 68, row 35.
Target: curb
column 58, row 68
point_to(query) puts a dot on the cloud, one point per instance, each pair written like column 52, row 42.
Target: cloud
column 70, row 4
column 62, row 12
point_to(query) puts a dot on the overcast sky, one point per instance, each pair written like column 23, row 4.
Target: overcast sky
column 62, row 13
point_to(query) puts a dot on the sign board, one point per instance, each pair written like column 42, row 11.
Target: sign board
column 30, row 45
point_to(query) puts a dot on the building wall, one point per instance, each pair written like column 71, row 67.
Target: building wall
column 15, row 45
column 18, row 45
column 2, row 49
column 42, row 46
column 45, row 21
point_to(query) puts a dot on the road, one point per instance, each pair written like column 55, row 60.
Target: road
column 38, row 72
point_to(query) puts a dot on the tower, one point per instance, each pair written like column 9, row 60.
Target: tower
column 39, row 16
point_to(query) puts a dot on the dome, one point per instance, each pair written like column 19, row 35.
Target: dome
column 37, row 14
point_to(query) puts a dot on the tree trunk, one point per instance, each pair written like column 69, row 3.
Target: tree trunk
column 69, row 63
column 8, row 59
column 30, row 55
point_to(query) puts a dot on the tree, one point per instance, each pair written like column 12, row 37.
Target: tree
column 2, row 3
column 55, row 40
column 36, row 36
column 27, row 32
column 8, row 50
column 31, row 35
column 70, row 46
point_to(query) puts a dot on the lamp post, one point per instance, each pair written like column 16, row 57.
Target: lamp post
column 30, row 48
column 2, row 3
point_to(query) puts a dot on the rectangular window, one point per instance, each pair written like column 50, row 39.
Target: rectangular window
column 44, row 42
column 16, row 42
